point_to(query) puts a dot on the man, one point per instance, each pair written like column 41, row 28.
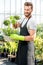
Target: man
column 25, row 53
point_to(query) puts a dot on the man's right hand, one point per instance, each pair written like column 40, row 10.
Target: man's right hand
column 16, row 25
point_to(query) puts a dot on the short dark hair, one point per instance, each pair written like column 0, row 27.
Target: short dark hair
column 29, row 4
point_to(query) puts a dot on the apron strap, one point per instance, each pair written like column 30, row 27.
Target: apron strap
column 27, row 20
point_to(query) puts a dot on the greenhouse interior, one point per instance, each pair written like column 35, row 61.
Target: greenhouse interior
column 14, row 33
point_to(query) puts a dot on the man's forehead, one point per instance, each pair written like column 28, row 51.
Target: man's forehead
column 27, row 6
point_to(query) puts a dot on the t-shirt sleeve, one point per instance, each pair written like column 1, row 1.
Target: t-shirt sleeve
column 32, row 25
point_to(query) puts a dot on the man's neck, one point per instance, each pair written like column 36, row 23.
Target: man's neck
column 28, row 17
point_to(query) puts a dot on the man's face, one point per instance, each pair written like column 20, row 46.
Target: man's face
column 27, row 10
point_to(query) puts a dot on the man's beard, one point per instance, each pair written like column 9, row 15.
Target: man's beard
column 28, row 15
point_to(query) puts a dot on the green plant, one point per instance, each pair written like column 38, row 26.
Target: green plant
column 11, row 47
column 17, row 17
column 39, row 42
column 14, row 46
column 39, row 47
column 12, row 20
column 10, row 31
column 1, row 49
column 6, row 22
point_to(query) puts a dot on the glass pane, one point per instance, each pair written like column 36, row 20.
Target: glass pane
column 7, row 16
column 34, row 6
column 29, row 0
column 41, row 19
column 7, row 6
column 37, row 19
column 23, row 1
column 38, row 6
column 42, row 7
column 12, row 6
column 18, row 5
column 1, row 6
column 1, row 20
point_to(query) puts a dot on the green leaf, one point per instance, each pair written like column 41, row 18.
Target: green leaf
column 17, row 17
column 6, row 22
column 13, row 21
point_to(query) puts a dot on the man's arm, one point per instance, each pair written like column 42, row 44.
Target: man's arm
column 31, row 37
column 24, row 38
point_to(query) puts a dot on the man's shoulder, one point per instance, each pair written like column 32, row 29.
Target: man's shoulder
column 32, row 18
column 32, row 21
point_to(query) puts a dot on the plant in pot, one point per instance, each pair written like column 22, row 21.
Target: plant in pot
column 6, row 49
column 13, row 47
column 13, row 50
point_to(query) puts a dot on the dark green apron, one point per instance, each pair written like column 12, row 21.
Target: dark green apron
column 25, row 53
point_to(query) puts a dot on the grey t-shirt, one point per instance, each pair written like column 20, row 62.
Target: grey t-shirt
column 31, row 24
